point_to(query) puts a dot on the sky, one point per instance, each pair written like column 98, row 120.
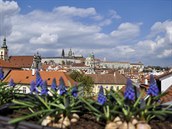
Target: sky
column 114, row 30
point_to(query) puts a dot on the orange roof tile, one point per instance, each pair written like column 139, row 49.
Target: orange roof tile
column 79, row 65
column 7, row 64
column 25, row 77
column 116, row 78
column 22, row 61
column 168, row 96
column 164, row 75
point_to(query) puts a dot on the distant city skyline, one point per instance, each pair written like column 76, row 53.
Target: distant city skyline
column 118, row 30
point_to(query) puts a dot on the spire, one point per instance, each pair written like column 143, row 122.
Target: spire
column 70, row 53
column 63, row 53
column 4, row 45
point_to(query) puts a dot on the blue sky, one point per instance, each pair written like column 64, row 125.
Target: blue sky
column 118, row 30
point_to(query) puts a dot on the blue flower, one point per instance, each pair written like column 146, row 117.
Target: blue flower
column 101, row 97
column 62, row 87
column 44, row 90
column 11, row 83
column 75, row 91
column 39, row 80
column 153, row 88
column 129, row 91
column 54, row 85
column 33, row 87
column 1, row 74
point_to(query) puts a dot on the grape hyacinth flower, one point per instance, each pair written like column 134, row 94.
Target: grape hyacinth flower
column 44, row 90
column 129, row 91
column 62, row 87
column 11, row 82
column 33, row 87
column 111, row 98
column 39, row 80
column 153, row 88
column 1, row 74
column 54, row 85
column 101, row 97
column 75, row 91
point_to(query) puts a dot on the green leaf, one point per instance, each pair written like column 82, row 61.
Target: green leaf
column 90, row 106
column 60, row 106
column 43, row 102
column 23, row 103
column 16, row 120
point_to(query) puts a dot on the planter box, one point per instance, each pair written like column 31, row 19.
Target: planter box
column 22, row 125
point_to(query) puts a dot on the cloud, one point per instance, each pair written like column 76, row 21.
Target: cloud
column 158, row 46
column 83, row 30
column 73, row 11
column 126, row 30
column 113, row 14
column 8, row 8
column 45, row 38
column 166, row 53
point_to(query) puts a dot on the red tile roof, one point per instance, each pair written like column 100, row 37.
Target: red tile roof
column 79, row 65
column 168, row 96
column 17, row 62
column 164, row 75
column 116, row 78
column 22, row 61
column 25, row 77
column 7, row 64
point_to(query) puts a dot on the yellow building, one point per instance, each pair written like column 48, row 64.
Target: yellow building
column 116, row 80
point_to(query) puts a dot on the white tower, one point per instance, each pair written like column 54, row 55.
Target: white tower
column 4, row 50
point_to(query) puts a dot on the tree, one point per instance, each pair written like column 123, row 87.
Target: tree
column 86, row 82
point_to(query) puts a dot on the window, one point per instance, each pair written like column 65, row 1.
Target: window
column 24, row 90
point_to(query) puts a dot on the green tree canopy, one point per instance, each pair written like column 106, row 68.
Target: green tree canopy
column 85, row 82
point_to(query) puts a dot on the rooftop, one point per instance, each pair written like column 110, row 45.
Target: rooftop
column 115, row 78
column 25, row 77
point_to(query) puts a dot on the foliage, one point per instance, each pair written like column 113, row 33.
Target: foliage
column 109, row 104
column 103, row 109
column 85, row 82
column 127, row 106
column 7, row 93
column 41, row 106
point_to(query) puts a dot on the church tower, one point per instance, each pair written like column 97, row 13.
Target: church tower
column 36, row 61
column 4, row 50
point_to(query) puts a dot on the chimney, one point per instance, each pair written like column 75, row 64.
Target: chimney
column 33, row 72
column 114, row 74
column 146, row 81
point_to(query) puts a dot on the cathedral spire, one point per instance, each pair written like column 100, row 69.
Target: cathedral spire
column 63, row 53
